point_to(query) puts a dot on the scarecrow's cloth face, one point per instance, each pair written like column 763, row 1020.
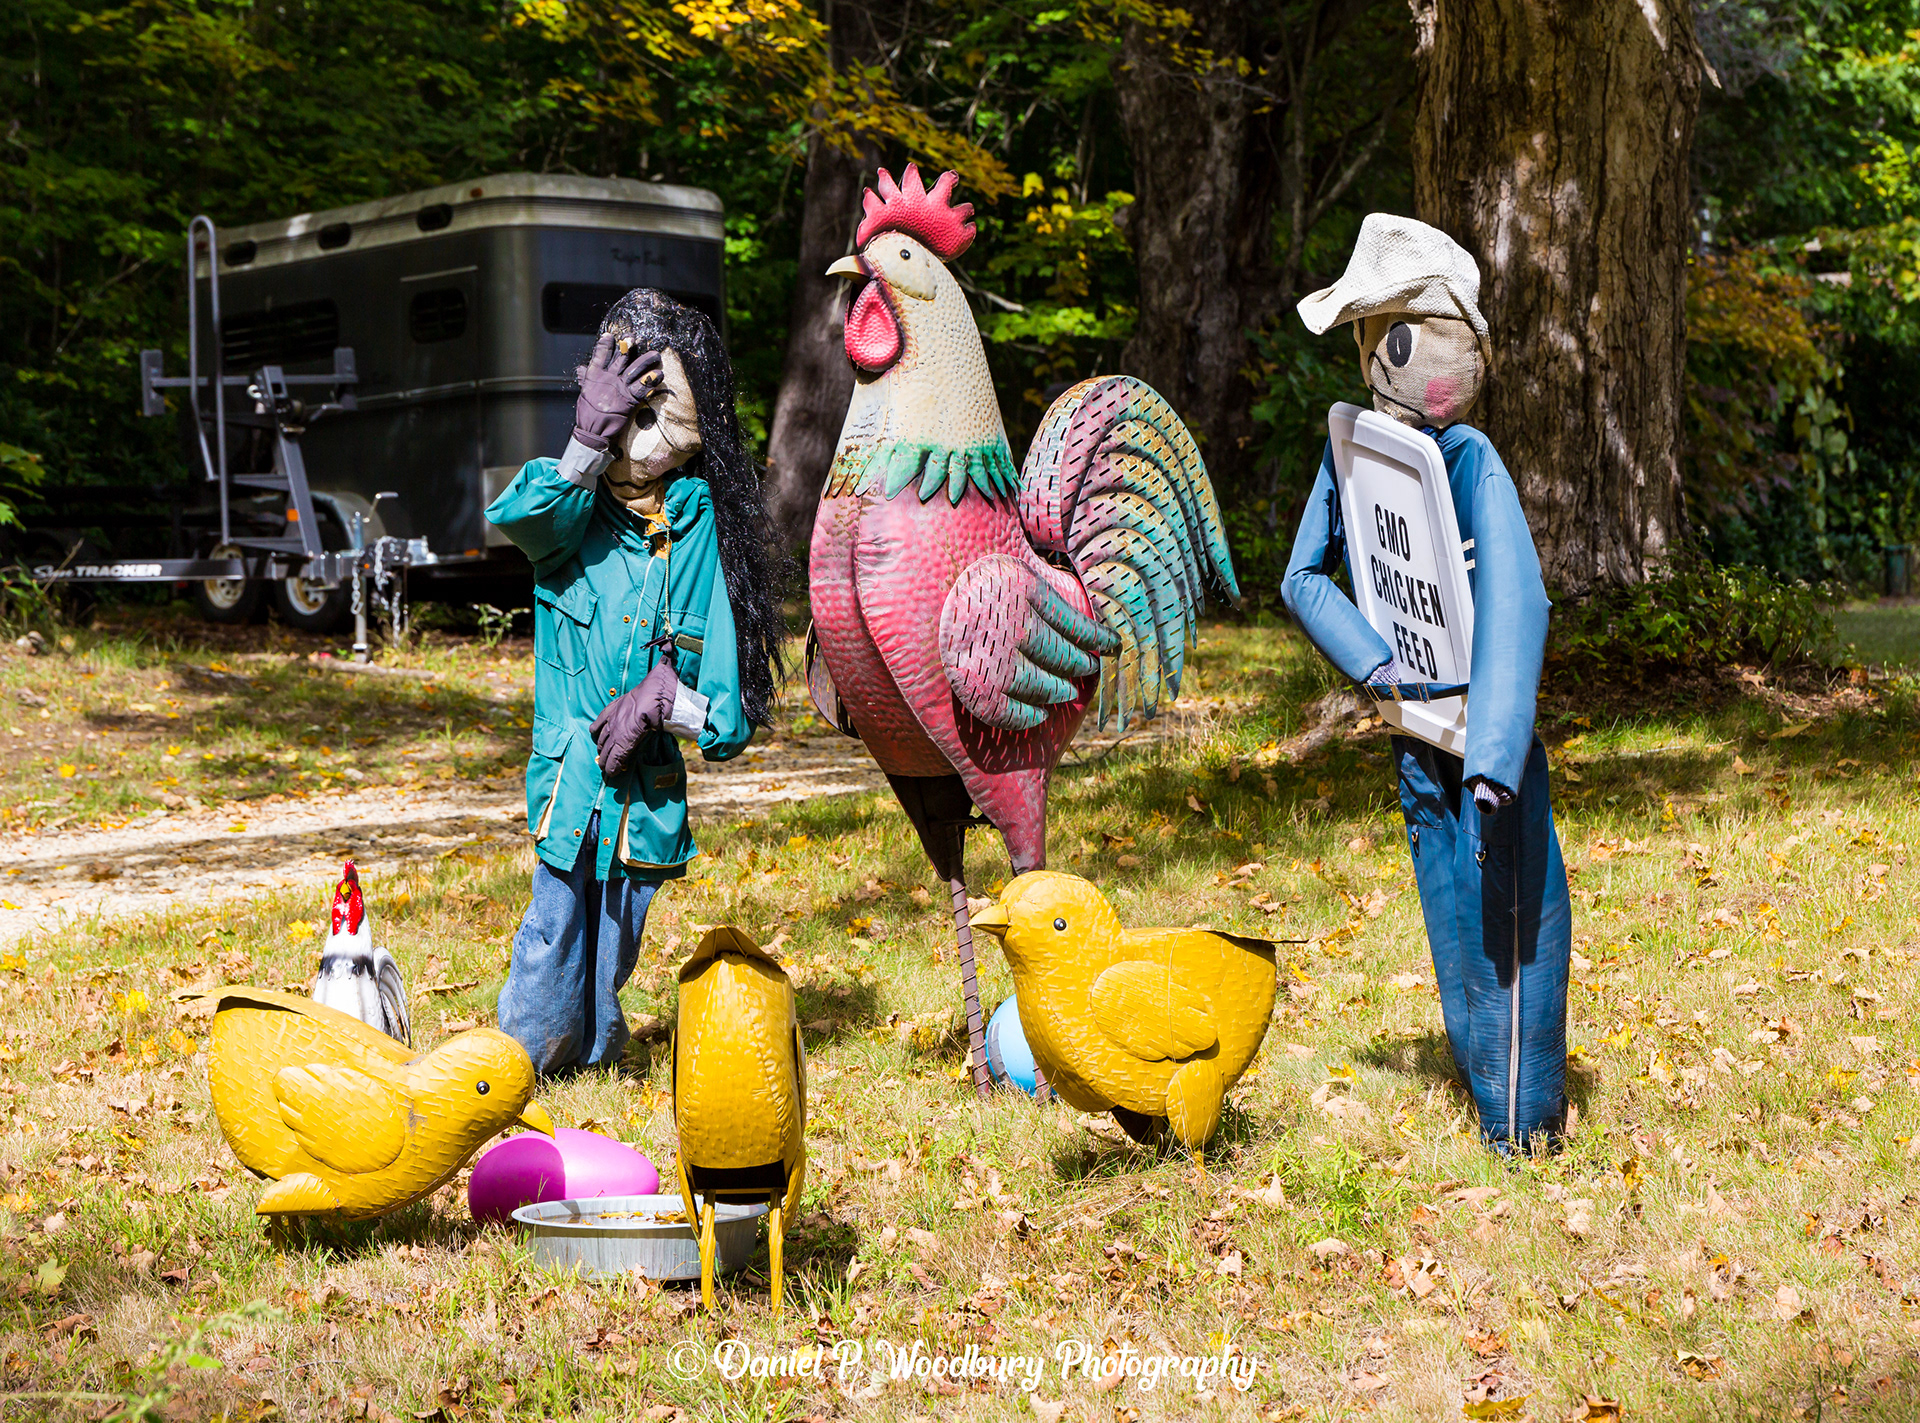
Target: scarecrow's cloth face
column 663, row 435
column 1423, row 370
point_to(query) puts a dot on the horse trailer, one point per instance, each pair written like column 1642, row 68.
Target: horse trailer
column 446, row 326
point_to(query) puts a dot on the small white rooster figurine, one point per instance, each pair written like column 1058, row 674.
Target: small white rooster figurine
column 355, row 977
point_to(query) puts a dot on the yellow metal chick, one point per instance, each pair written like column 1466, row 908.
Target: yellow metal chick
column 1146, row 1023
column 739, row 1092
column 344, row 1120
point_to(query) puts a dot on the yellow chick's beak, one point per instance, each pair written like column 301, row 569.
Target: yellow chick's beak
column 848, row 266
column 994, row 920
column 536, row 1118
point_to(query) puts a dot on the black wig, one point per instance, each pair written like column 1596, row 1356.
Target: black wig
column 651, row 320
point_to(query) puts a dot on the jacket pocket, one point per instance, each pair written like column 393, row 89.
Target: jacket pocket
column 561, row 622
column 546, row 769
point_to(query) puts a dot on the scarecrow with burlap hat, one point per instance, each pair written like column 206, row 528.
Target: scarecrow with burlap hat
column 1480, row 830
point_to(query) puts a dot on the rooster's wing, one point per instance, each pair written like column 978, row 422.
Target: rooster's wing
column 1013, row 645
column 1114, row 485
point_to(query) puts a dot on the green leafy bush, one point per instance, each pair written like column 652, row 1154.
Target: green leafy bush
column 1698, row 616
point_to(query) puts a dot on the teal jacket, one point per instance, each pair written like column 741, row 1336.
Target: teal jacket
column 606, row 584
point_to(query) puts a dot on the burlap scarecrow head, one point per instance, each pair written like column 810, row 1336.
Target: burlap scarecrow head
column 1412, row 294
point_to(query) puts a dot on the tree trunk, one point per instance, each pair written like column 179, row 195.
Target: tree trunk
column 816, row 380
column 1201, row 228
column 1553, row 142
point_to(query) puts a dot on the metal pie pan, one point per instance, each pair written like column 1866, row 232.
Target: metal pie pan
column 612, row 1235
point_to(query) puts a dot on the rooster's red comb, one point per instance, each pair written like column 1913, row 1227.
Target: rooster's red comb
column 932, row 217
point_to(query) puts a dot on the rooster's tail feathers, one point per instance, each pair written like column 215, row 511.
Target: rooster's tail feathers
column 1114, row 483
column 393, row 997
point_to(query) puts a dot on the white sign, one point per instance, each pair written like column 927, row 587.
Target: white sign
column 1409, row 570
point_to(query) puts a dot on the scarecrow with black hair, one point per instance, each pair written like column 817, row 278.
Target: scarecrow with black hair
column 655, row 621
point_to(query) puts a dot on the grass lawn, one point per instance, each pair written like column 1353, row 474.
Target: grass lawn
column 145, row 708
column 1729, row 1233
column 1883, row 632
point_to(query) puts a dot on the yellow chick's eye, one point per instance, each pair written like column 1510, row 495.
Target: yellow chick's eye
column 482, row 1088
column 1061, row 925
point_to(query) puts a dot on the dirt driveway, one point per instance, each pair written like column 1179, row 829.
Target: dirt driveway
column 57, row 878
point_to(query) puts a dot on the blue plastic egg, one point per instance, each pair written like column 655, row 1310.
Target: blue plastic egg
column 1009, row 1058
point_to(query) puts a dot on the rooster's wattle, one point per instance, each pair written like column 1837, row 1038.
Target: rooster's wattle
column 965, row 615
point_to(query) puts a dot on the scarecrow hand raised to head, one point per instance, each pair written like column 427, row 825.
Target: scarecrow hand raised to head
column 613, row 384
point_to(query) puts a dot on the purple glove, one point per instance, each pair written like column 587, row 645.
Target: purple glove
column 612, row 387
column 1490, row 797
column 618, row 730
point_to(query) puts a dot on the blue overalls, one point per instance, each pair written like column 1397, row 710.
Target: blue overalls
column 1493, row 888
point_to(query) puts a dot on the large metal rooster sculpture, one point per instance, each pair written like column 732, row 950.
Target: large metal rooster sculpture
column 966, row 616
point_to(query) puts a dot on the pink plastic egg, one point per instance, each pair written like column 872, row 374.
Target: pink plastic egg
column 571, row 1165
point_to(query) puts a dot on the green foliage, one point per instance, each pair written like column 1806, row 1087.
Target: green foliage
column 1695, row 617
column 1804, row 314
column 21, row 471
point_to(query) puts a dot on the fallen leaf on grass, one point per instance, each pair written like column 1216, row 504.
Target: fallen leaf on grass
column 1365, row 1381
column 1497, row 1407
column 1697, row 1366
column 1579, row 1221
column 1593, row 1409
column 1332, row 1248
column 1044, row 1410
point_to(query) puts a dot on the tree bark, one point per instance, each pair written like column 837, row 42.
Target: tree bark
column 1201, row 227
column 1234, row 164
column 1553, row 141
column 816, row 380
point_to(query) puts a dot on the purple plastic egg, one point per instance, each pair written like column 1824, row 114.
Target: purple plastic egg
column 571, row 1165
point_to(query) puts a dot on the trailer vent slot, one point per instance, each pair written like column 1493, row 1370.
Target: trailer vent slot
column 576, row 308
column 438, row 315
column 334, row 235
column 434, row 216
column 240, row 253
column 280, row 336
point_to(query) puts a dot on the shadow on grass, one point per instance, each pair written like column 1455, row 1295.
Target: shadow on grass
column 325, row 1239
column 1426, row 1057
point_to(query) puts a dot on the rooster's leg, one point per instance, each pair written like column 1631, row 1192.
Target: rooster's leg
column 970, row 985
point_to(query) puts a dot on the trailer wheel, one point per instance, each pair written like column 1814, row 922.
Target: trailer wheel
column 311, row 606
column 227, row 600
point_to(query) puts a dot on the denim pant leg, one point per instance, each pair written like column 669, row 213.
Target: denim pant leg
column 1517, row 936
column 574, row 951
column 617, row 917
column 1430, row 803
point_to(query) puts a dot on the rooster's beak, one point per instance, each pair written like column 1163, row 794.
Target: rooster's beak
column 994, row 920
column 850, row 266
column 536, row 1118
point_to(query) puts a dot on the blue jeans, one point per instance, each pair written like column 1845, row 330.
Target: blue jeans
column 573, row 953
column 1493, row 890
